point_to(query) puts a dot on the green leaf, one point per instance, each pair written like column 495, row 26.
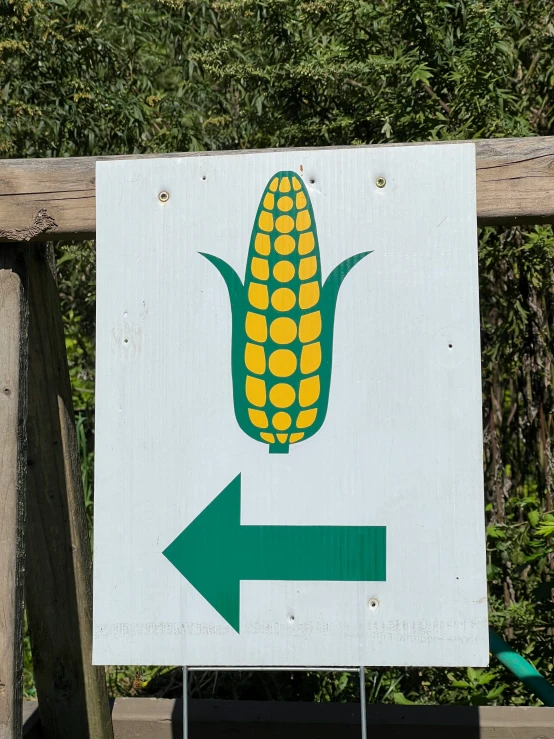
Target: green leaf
column 496, row 692
column 401, row 700
column 495, row 532
column 545, row 529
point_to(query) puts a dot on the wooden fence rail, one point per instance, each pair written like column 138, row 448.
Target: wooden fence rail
column 515, row 184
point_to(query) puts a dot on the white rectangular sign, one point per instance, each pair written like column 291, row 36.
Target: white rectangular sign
column 288, row 410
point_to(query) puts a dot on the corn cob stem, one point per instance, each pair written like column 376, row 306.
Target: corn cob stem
column 279, row 448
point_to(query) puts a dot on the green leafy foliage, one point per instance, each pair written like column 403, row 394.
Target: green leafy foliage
column 82, row 77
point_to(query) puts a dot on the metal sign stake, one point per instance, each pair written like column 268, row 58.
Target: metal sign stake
column 185, row 702
column 363, row 717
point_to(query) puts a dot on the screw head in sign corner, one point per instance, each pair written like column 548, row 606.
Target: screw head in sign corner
column 163, row 197
column 380, row 182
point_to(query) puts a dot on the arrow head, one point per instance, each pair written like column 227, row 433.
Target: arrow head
column 207, row 553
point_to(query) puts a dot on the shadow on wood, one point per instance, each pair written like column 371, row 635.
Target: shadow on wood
column 73, row 694
column 148, row 718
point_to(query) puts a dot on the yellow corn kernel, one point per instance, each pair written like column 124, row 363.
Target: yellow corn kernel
column 265, row 221
column 269, row 437
column 283, row 299
column 258, row 295
column 285, row 203
column 296, row 437
column 303, row 220
column 281, row 421
column 259, row 419
column 254, row 358
column 256, row 327
column 255, row 391
column 269, row 201
column 274, row 183
column 306, row 243
column 282, row 395
column 282, row 330
column 283, row 271
column 307, row 268
column 260, row 268
column 309, row 294
column 282, row 363
column 310, row 327
column 305, row 418
column 310, row 359
column 282, row 438
column 284, row 224
column 309, row 391
column 262, row 244
column 301, row 201
column 284, row 185
column 284, row 244
column 297, row 186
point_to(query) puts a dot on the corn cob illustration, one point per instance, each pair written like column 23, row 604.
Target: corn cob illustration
column 283, row 320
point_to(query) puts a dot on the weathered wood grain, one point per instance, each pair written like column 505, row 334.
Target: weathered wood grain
column 13, row 464
column 145, row 718
column 515, row 184
column 73, row 694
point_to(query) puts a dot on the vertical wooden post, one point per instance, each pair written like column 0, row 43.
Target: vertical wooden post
column 13, row 465
column 72, row 694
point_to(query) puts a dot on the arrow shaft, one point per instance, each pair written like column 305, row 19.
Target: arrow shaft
column 342, row 553
column 215, row 552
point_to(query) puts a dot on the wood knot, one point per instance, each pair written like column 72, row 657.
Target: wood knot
column 41, row 224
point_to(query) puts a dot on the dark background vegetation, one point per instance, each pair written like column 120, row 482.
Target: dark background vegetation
column 82, row 77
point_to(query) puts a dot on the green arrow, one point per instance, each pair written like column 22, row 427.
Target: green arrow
column 214, row 553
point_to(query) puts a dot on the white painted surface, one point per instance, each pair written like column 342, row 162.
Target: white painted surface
column 401, row 445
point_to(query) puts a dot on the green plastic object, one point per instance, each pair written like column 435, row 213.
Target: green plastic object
column 529, row 676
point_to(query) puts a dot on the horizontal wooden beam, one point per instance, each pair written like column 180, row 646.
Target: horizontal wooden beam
column 515, row 185
column 147, row 718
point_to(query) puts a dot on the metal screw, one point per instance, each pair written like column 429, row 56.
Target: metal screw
column 373, row 603
column 380, row 182
column 163, row 196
